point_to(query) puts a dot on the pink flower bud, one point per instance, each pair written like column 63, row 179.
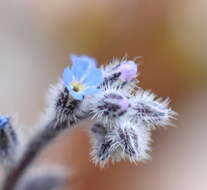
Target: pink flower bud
column 124, row 104
column 128, row 70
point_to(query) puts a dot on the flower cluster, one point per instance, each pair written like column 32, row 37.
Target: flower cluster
column 123, row 117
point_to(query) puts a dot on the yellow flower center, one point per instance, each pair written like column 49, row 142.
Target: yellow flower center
column 77, row 87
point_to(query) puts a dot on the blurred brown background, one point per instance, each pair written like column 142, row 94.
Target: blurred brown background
column 170, row 35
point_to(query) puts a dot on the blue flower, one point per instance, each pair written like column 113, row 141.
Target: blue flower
column 3, row 121
column 83, row 77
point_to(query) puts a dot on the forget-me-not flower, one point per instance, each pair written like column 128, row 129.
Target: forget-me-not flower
column 3, row 121
column 83, row 77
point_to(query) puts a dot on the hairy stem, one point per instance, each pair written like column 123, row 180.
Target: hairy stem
column 36, row 145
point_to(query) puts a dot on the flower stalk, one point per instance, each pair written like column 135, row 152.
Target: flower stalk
column 41, row 140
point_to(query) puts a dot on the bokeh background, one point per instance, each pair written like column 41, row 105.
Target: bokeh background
column 36, row 37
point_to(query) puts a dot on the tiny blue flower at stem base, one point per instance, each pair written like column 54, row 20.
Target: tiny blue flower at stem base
column 83, row 78
column 3, row 121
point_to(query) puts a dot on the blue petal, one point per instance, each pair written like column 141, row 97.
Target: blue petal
column 94, row 77
column 80, row 65
column 75, row 95
column 3, row 121
column 67, row 76
column 90, row 91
